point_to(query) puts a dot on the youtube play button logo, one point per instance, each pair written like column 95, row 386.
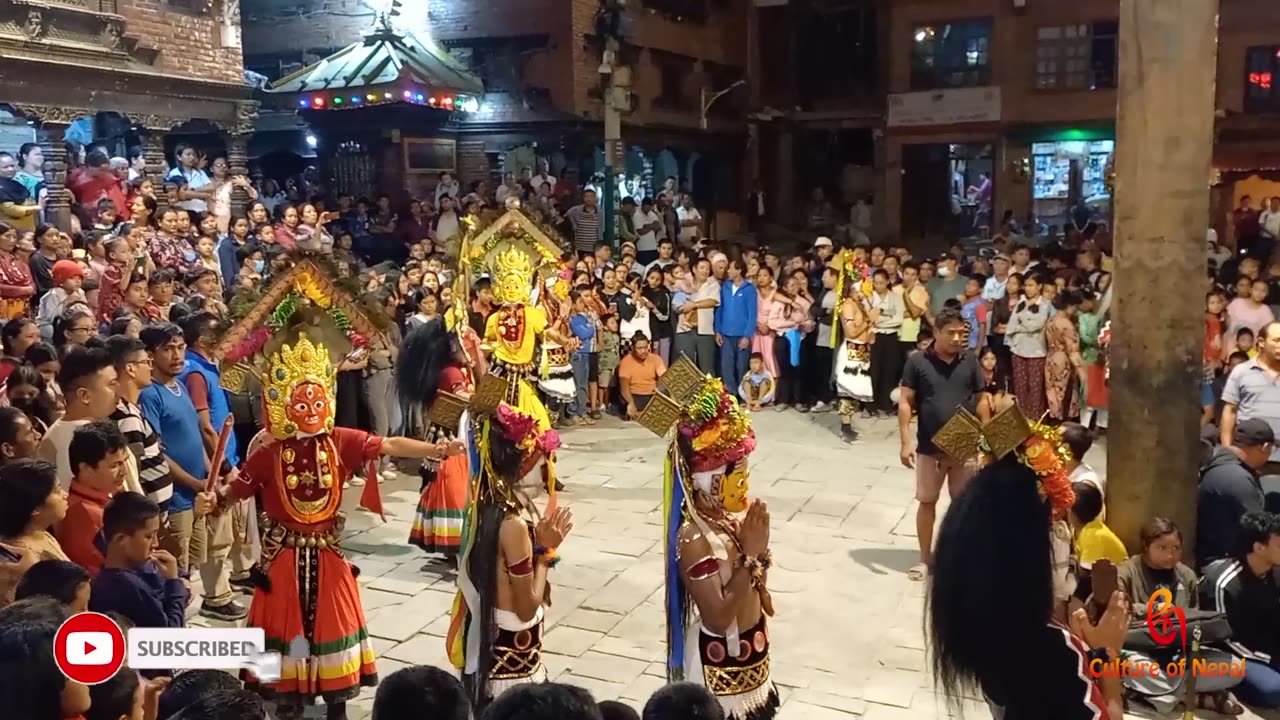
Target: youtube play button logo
column 89, row 648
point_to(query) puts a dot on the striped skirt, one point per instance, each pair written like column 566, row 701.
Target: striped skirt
column 437, row 525
column 313, row 618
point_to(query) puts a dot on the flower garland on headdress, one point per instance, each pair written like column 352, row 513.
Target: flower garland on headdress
column 522, row 430
column 1047, row 455
column 717, row 429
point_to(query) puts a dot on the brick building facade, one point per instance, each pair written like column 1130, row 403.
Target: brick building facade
column 1028, row 96
column 142, row 70
column 539, row 60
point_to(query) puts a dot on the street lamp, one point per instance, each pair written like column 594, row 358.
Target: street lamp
column 707, row 103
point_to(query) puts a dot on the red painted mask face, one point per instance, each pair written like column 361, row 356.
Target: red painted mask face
column 309, row 408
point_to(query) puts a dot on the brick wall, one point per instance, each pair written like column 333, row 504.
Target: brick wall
column 721, row 40
column 190, row 42
column 1013, row 50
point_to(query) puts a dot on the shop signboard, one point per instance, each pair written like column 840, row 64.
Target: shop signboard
column 944, row 107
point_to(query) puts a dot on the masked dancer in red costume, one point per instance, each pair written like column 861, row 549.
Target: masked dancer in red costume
column 307, row 595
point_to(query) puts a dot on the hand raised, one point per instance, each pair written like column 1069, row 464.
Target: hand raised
column 167, row 563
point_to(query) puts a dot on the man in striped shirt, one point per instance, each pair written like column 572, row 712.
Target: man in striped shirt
column 133, row 366
column 587, row 223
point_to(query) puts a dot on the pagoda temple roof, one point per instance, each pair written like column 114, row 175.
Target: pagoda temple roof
column 385, row 56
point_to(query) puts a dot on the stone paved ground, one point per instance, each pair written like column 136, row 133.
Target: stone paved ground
column 848, row 634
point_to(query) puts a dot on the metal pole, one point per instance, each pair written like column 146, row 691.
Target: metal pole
column 706, row 104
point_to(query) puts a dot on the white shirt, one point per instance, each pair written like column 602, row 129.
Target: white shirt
column 54, row 446
column 196, row 179
column 691, row 232
column 710, row 290
column 1084, row 473
column 1270, row 222
column 860, row 215
column 446, row 226
column 536, row 181
column 647, row 240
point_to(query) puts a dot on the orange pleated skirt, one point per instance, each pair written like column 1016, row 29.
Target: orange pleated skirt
column 437, row 526
column 337, row 659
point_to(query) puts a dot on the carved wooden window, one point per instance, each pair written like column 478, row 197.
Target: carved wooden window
column 1080, row 56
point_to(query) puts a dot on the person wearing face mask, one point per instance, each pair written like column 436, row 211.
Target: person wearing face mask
column 946, row 285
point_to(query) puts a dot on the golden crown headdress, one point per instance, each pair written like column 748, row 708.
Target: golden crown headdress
column 291, row 366
column 512, row 276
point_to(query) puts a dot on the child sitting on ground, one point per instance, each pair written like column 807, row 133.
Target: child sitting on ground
column 137, row 579
column 758, row 385
column 1094, row 541
column 1078, row 440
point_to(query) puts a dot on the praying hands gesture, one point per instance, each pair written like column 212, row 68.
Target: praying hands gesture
column 1108, row 633
column 554, row 528
column 754, row 532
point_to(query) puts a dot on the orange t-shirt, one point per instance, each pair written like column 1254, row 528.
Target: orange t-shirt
column 643, row 376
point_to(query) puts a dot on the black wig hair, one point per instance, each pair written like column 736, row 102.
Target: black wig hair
column 504, row 461
column 995, row 537
column 424, row 354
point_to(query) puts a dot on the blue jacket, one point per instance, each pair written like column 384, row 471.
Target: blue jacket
column 583, row 329
column 219, row 407
column 736, row 313
column 226, row 252
column 142, row 595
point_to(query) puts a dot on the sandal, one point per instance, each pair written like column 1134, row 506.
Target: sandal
column 1219, row 702
column 918, row 572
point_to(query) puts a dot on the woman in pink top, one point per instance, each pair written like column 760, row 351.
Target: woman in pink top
column 1249, row 311
column 762, row 341
column 788, row 316
column 287, row 227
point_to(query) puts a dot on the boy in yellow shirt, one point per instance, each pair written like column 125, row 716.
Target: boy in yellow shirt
column 1094, row 540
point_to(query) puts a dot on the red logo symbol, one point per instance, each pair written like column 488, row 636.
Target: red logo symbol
column 89, row 648
column 1160, row 614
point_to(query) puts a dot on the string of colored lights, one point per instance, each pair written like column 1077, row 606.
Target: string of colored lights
column 460, row 103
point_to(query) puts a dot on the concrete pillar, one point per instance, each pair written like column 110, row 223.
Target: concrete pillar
column 1168, row 61
column 153, row 154
column 57, row 208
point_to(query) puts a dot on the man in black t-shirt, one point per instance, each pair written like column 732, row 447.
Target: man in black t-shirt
column 936, row 383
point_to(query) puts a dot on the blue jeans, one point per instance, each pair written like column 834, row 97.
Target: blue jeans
column 581, row 364
column 733, row 362
column 1260, row 686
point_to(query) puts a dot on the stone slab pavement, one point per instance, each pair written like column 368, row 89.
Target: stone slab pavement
column 847, row 638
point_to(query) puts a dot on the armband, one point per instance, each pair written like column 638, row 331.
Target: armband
column 524, row 568
column 704, row 568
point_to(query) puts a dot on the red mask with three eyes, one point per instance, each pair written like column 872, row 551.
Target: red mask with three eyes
column 309, row 408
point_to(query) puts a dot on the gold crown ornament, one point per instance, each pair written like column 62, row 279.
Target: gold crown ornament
column 291, row 366
column 512, row 276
